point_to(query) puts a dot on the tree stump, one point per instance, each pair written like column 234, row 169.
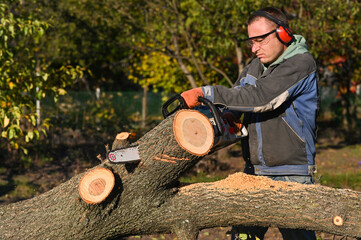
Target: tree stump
column 121, row 140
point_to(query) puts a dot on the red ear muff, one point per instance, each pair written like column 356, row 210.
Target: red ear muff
column 284, row 34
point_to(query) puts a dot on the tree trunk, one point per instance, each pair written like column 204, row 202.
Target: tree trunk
column 144, row 106
column 147, row 199
column 239, row 55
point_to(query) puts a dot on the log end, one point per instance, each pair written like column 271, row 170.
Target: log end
column 121, row 140
column 338, row 220
column 96, row 185
column 122, row 136
column 193, row 131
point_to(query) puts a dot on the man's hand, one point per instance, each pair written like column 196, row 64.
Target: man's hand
column 191, row 97
column 232, row 120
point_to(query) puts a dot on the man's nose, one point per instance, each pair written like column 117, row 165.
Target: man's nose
column 255, row 48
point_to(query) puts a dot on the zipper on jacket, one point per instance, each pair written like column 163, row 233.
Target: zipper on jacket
column 293, row 130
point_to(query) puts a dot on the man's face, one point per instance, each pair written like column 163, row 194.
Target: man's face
column 268, row 48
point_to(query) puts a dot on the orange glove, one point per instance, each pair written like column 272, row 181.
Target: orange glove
column 191, row 97
column 233, row 121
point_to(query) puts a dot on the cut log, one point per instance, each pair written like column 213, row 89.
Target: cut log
column 121, row 140
column 122, row 136
column 96, row 185
column 193, row 131
column 338, row 221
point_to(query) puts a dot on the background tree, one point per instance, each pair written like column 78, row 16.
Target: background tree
column 168, row 45
column 25, row 76
column 334, row 39
column 84, row 34
column 203, row 39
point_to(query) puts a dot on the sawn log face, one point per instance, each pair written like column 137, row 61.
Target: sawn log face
column 147, row 199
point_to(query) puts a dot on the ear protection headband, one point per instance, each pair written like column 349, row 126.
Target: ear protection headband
column 283, row 32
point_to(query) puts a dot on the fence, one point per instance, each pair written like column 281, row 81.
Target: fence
column 80, row 106
column 80, row 110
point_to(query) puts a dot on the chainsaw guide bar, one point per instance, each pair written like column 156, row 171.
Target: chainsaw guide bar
column 124, row 155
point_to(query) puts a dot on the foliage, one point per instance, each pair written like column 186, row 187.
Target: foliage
column 189, row 39
column 47, row 46
column 203, row 40
column 152, row 69
column 24, row 77
column 83, row 111
column 88, row 34
column 334, row 36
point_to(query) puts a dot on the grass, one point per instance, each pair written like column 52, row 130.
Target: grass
column 200, row 177
column 18, row 188
column 342, row 180
column 340, row 166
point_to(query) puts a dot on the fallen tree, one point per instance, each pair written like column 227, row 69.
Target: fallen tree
column 146, row 198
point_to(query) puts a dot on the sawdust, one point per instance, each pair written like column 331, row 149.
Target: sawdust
column 167, row 158
column 174, row 158
column 244, row 182
column 163, row 159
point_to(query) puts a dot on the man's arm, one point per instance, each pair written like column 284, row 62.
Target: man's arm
column 271, row 89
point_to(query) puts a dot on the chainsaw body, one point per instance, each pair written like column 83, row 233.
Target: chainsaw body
column 224, row 133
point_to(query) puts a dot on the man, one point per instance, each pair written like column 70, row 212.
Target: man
column 278, row 92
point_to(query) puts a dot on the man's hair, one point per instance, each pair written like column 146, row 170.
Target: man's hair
column 271, row 10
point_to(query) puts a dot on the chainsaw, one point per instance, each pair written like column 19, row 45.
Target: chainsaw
column 129, row 154
column 224, row 133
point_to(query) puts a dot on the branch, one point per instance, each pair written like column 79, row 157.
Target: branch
column 204, row 61
column 193, row 58
column 248, row 200
column 221, row 72
column 183, row 67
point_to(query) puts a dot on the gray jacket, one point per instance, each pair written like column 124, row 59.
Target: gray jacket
column 280, row 105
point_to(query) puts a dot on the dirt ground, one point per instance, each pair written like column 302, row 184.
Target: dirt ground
column 222, row 233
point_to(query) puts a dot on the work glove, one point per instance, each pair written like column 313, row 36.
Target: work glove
column 191, row 97
column 232, row 120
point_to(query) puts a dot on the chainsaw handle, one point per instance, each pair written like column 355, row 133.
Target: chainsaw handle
column 215, row 113
column 182, row 105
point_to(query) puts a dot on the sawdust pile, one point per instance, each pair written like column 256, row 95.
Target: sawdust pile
column 244, row 182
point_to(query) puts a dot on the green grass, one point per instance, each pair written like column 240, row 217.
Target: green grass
column 342, row 180
column 339, row 166
column 18, row 188
column 200, row 177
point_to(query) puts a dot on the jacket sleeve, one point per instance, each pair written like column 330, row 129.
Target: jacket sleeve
column 271, row 89
column 243, row 75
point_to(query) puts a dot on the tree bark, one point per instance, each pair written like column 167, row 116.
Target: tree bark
column 147, row 199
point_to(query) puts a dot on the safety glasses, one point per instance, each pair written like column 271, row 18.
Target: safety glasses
column 259, row 40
